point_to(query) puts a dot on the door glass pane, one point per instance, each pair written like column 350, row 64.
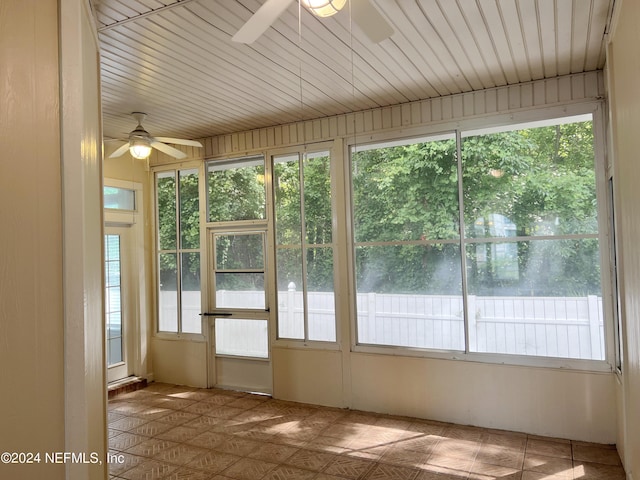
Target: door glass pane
column 236, row 190
column 190, row 293
column 240, row 252
column 113, row 300
column 241, row 337
column 237, row 286
column 240, row 290
column 168, row 293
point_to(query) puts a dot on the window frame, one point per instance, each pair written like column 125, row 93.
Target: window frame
column 460, row 128
column 177, row 168
column 301, row 150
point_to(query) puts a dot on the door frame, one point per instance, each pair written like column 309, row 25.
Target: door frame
column 123, row 369
column 253, row 369
column 137, row 289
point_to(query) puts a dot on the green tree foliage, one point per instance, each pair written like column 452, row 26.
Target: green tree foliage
column 532, row 183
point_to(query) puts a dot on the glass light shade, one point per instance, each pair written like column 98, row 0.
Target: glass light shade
column 140, row 148
column 324, row 8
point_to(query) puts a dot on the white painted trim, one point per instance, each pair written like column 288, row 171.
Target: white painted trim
column 440, row 114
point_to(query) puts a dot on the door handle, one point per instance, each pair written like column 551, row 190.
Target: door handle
column 216, row 314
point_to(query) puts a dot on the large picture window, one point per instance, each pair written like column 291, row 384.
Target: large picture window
column 178, row 231
column 407, row 245
column 524, row 214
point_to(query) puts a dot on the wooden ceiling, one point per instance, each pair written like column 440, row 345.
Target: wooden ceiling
column 175, row 60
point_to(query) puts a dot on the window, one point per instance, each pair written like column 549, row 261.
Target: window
column 304, row 247
column 113, row 300
column 407, row 245
column 117, row 198
column 524, row 212
column 531, row 242
column 177, row 201
column 236, row 190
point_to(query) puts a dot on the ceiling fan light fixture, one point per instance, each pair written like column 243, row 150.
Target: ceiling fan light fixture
column 140, row 148
column 324, row 8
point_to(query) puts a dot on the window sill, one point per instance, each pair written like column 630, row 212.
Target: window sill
column 565, row 364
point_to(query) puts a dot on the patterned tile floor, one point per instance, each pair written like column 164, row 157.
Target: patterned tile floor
column 178, row 433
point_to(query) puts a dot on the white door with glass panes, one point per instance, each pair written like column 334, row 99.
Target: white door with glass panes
column 118, row 302
column 238, row 304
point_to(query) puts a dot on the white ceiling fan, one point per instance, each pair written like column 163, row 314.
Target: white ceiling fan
column 140, row 142
column 365, row 14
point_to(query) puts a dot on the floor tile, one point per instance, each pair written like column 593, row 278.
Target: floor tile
column 128, row 462
column 349, row 467
column 483, row 471
column 597, row 471
column 273, row 452
column 180, row 454
column 501, row 456
column 169, row 432
column 213, row 462
column 151, row 470
column 126, row 424
column 605, row 455
column 249, row 469
column 151, row 447
column 548, row 465
column 286, row 472
column 125, row 441
column 310, row 460
column 186, row 473
column 179, row 434
column 548, row 448
column 382, row 471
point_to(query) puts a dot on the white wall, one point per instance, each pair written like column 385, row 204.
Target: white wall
column 31, row 295
column 182, row 362
column 542, row 401
column 51, row 310
column 623, row 62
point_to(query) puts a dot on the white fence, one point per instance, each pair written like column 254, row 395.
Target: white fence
column 566, row 327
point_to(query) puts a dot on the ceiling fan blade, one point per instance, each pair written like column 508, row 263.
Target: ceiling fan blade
column 120, row 151
column 173, row 152
column 369, row 19
column 260, row 21
column 179, row 141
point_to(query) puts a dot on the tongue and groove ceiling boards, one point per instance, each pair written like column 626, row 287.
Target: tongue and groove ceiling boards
column 175, row 60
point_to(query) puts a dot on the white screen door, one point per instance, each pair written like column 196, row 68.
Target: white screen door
column 239, row 310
